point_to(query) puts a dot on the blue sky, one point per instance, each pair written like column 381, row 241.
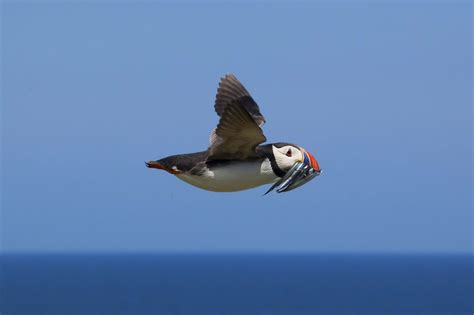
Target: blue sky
column 380, row 93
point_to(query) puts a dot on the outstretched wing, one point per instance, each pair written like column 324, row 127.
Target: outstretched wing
column 231, row 90
column 236, row 135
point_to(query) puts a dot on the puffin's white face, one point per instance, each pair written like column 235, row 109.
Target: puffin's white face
column 287, row 156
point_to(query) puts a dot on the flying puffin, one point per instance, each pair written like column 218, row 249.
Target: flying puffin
column 235, row 160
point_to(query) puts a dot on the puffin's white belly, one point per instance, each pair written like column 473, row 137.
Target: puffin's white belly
column 233, row 177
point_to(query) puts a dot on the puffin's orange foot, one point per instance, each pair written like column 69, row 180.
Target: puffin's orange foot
column 158, row 165
column 154, row 164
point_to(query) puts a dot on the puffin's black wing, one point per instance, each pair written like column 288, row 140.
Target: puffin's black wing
column 231, row 90
column 236, row 135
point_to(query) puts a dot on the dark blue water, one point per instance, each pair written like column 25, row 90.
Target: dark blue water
column 236, row 284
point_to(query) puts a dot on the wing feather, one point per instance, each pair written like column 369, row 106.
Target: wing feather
column 236, row 135
column 231, row 90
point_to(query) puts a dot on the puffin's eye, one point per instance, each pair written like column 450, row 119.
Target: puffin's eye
column 288, row 153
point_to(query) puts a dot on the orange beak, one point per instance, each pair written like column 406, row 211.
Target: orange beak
column 311, row 161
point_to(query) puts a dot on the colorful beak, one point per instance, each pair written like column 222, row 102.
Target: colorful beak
column 311, row 161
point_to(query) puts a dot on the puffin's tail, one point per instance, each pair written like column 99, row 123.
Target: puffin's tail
column 158, row 165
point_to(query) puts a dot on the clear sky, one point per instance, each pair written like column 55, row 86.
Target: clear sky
column 380, row 93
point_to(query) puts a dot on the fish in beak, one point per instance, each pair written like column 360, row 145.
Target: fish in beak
column 299, row 174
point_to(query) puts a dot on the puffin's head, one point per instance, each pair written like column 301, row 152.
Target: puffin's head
column 286, row 155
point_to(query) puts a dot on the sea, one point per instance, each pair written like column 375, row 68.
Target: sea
column 283, row 284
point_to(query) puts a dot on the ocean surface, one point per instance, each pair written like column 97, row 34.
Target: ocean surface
column 236, row 284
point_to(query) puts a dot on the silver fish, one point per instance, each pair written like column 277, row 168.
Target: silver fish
column 284, row 178
column 298, row 175
column 303, row 180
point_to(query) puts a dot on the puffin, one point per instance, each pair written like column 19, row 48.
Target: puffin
column 236, row 158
